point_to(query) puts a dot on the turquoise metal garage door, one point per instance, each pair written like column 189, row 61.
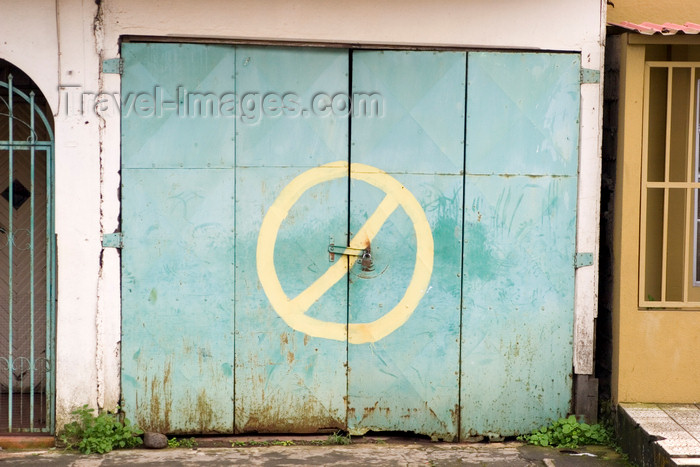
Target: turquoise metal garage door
column 309, row 244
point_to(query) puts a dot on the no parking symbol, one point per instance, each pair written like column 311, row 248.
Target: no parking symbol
column 293, row 310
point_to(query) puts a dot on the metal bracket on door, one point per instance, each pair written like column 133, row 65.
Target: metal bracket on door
column 590, row 76
column 112, row 240
column 583, row 259
column 113, row 65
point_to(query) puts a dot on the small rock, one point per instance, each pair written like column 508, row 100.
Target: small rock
column 152, row 440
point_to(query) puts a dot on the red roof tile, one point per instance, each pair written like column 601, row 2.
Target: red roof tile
column 667, row 29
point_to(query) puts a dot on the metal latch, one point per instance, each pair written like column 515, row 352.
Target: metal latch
column 334, row 249
column 112, row 240
column 344, row 250
column 364, row 255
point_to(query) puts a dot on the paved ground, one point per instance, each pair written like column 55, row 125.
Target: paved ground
column 656, row 434
column 376, row 453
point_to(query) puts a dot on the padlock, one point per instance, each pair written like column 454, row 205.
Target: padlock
column 366, row 261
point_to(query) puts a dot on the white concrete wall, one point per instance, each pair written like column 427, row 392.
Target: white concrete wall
column 53, row 43
column 61, row 43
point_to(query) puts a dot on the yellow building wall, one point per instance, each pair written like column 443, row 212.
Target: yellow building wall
column 655, row 11
column 656, row 353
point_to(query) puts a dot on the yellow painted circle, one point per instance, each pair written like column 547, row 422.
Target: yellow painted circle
column 293, row 311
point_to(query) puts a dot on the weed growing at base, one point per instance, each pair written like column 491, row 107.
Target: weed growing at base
column 182, row 443
column 99, row 434
column 569, row 433
column 338, row 438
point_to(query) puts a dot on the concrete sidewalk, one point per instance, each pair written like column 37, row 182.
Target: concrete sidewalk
column 660, row 434
column 389, row 454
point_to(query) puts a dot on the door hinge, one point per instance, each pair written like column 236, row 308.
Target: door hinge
column 113, row 65
column 112, row 240
column 583, row 259
column 590, row 76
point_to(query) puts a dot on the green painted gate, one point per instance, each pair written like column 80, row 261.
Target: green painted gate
column 27, row 257
column 321, row 239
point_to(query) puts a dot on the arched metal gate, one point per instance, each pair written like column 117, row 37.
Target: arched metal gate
column 27, row 265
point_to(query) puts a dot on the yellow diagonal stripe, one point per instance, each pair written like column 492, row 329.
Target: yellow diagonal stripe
column 333, row 274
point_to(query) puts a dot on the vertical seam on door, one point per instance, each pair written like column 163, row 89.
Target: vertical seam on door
column 347, row 258
column 235, row 230
column 461, row 262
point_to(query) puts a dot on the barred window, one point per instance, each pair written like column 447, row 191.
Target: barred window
column 670, row 205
